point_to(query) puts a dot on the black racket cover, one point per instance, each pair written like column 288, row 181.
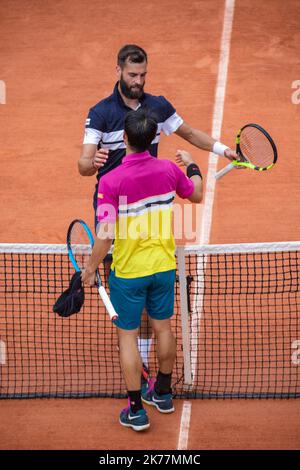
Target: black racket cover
column 72, row 299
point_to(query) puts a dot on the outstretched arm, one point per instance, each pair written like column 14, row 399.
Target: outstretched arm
column 204, row 141
column 91, row 159
column 185, row 159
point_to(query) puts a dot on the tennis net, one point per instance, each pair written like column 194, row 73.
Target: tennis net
column 236, row 322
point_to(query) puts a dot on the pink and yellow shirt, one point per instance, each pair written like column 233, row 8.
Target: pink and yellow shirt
column 138, row 196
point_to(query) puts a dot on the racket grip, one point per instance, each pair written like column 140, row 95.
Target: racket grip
column 224, row 170
column 109, row 306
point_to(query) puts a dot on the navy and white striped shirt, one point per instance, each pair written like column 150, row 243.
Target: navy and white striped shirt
column 105, row 125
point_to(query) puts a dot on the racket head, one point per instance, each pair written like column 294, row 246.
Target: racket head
column 80, row 241
column 256, row 148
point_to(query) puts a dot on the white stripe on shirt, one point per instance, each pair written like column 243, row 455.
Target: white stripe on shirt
column 171, row 124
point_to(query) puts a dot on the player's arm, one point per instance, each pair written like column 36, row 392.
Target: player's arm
column 103, row 241
column 102, row 245
column 204, row 141
column 107, row 210
column 86, row 161
column 91, row 159
column 185, row 159
column 197, row 195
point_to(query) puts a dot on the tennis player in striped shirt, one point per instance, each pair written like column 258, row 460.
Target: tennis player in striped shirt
column 104, row 131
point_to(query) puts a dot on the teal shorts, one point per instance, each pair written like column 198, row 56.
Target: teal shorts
column 130, row 296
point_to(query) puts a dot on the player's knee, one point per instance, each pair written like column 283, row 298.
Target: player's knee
column 161, row 326
column 127, row 337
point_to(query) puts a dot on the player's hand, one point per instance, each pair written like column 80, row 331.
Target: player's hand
column 183, row 158
column 231, row 155
column 100, row 158
column 88, row 278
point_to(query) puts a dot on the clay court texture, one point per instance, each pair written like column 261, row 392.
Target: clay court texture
column 57, row 60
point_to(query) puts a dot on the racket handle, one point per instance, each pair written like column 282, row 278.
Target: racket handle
column 225, row 170
column 109, row 306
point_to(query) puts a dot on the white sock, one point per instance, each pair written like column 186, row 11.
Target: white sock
column 144, row 345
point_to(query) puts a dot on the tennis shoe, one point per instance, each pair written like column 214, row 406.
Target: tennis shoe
column 163, row 403
column 138, row 421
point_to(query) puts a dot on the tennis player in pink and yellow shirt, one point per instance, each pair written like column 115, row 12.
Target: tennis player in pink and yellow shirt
column 135, row 208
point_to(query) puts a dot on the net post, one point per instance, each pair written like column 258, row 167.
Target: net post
column 184, row 315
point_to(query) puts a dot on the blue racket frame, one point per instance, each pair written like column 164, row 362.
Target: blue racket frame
column 102, row 292
column 90, row 236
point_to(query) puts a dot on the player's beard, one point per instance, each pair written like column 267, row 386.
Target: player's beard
column 129, row 92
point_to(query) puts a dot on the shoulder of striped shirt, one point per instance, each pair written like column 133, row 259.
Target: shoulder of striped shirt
column 102, row 104
column 114, row 139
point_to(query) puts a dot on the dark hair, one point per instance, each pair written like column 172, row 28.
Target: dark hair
column 140, row 127
column 133, row 53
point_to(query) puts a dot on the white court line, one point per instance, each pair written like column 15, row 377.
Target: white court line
column 2, row 92
column 212, row 166
column 217, row 121
column 210, row 192
column 184, row 426
column 2, row 353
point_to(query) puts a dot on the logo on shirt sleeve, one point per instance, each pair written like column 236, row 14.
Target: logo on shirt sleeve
column 87, row 121
column 100, row 196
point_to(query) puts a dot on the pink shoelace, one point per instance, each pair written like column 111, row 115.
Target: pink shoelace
column 127, row 407
column 151, row 384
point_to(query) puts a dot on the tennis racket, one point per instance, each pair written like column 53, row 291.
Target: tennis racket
column 80, row 242
column 255, row 148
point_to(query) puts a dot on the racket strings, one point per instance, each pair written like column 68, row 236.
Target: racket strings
column 256, row 147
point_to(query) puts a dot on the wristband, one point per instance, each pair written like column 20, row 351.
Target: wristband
column 192, row 170
column 219, row 148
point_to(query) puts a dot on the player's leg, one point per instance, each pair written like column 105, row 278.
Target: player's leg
column 134, row 415
column 160, row 302
column 144, row 345
column 128, row 297
column 159, row 391
column 130, row 358
column 144, row 335
column 166, row 352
